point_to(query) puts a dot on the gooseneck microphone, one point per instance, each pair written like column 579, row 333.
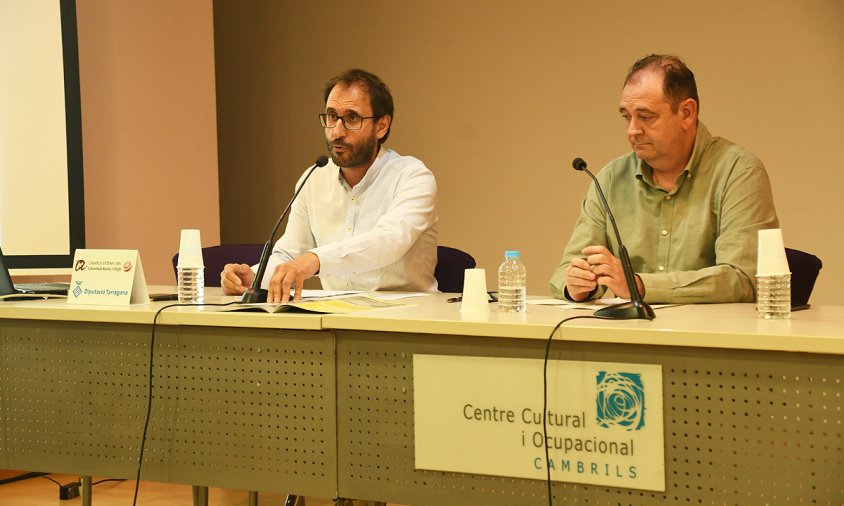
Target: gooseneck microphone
column 636, row 308
column 255, row 293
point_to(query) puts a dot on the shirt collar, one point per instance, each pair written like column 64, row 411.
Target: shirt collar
column 702, row 141
column 703, row 138
column 371, row 172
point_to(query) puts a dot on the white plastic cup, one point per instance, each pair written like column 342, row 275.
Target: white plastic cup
column 773, row 277
column 190, row 268
column 475, row 298
column 771, row 259
column 190, row 249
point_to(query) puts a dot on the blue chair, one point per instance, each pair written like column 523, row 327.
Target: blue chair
column 216, row 257
column 451, row 263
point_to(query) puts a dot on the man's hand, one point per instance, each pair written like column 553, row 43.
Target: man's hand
column 236, row 278
column 580, row 280
column 600, row 267
column 292, row 273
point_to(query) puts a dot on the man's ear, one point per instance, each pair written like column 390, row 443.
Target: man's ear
column 688, row 112
column 382, row 126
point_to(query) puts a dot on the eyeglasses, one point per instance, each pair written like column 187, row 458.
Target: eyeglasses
column 351, row 121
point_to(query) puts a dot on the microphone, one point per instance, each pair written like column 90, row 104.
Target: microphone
column 636, row 308
column 255, row 293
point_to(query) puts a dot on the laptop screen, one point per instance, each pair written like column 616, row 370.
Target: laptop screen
column 6, row 286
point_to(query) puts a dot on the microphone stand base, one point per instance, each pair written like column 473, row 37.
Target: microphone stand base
column 627, row 311
column 254, row 296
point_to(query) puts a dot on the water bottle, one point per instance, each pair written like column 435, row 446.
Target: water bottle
column 511, row 284
column 773, row 296
column 191, row 285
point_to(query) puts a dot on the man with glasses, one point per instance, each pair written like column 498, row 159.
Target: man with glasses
column 688, row 204
column 367, row 220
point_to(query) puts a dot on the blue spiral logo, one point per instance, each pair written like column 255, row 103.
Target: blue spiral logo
column 621, row 400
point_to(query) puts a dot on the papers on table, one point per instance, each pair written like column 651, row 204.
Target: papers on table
column 562, row 304
column 589, row 305
column 333, row 294
column 398, row 295
column 333, row 301
column 336, row 305
column 325, row 294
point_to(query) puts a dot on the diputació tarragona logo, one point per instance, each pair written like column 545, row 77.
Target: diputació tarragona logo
column 620, row 399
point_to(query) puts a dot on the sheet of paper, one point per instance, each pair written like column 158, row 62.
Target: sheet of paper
column 325, row 294
column 334, row 294
column 563, row 304
column 592, row 304
column 398, row 295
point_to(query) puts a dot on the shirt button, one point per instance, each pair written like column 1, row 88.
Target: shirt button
column 665, row 232
column 668, row 197
column 661, row 268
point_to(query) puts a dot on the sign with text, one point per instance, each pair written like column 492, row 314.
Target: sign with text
column 110, row 277
column 484, row 415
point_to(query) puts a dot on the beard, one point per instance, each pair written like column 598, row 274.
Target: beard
column 354, row 155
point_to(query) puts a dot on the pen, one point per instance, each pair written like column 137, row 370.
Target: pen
column 493, row 297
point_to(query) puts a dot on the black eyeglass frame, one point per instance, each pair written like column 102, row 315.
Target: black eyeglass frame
column 323, row 120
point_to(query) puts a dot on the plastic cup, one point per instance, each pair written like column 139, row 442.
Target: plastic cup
column 771, row 259
column 190, row 249
column 773, row 279
column 475, row 298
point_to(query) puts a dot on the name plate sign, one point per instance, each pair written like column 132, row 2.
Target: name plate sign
column 110, row 277
column 484, row 415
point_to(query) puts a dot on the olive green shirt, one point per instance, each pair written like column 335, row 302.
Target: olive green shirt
column 696, row 243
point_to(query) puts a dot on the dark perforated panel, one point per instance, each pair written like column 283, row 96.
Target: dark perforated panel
column 740, row 427
column 231, row 407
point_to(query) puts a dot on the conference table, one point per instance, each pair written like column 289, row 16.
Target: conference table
column 323, row 405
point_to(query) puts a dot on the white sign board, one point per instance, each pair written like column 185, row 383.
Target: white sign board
column 484, row 416
column 110, row 277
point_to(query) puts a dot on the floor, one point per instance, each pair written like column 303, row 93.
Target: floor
column 42, row 492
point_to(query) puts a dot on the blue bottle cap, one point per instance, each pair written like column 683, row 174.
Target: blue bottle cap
column 511, row 254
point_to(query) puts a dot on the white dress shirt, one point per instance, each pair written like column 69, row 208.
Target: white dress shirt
column 379, row 235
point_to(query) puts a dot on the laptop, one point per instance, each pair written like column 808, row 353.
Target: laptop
column 27, row 290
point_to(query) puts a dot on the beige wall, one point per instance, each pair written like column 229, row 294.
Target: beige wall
column 148, row 126
column 498, row 97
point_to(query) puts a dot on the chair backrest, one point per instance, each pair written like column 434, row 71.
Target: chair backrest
column 216, row 257
column 451, row 263
column 805, row 268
